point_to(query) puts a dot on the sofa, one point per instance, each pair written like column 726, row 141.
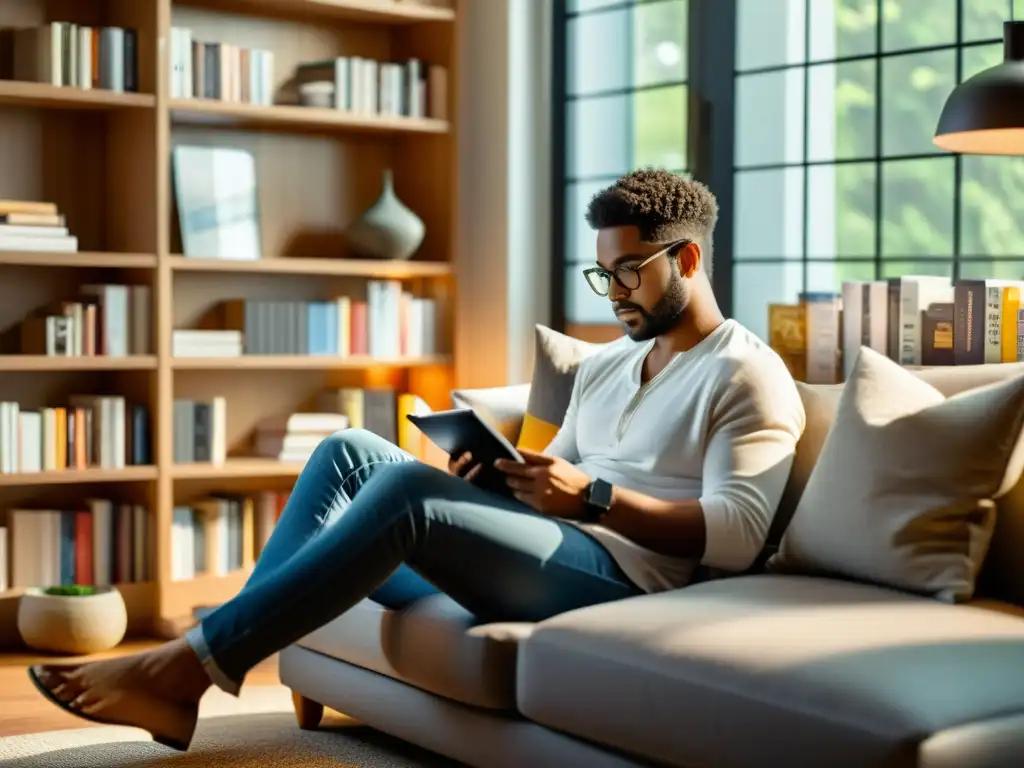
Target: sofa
column 760, row 668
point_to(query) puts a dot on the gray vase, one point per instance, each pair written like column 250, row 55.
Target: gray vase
column 388, row 229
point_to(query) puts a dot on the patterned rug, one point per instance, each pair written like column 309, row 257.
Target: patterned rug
column 255, row 730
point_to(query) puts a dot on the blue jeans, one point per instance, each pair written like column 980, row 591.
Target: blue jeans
column 366, row 519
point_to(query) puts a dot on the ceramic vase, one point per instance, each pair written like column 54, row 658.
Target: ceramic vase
column 72, row 624
column 388, row 229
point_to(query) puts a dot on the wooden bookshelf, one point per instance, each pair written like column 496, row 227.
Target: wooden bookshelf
column 133, row 474
column 327, row 267
column 302, row 363
column 372, row 11
column 78, row 260
column 18, row 94
column 237, row 468
column 104, row 158
column 11, row 363
column 289, row 118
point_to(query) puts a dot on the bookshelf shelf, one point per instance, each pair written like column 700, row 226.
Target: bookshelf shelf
column 181, row 597
column 371, row 11
column 11, row 363
column 327, row 267
column 302, row 362
column 109, row 177
column 82, row 476
column 237, row 467
column 78, row 259
column 21, row 94
column 211, row 113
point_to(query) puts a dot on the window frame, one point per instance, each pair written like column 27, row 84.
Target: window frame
column 711, row 83
column 709, row 87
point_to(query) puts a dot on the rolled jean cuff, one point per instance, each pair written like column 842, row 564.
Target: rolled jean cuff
column 197, row 641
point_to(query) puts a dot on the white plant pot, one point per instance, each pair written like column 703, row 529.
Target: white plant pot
column 72, row 624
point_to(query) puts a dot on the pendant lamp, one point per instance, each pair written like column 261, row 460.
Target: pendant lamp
column 985, row 114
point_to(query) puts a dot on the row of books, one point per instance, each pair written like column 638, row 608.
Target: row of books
column 381, row 410
column 101, row 542
column 200, row 431
column 90, row 431
column 75, row 55
column 218, row 70
column 105, row 320
column 389, row 323
column 30, row 225
column 222, row 533
column 367, row 86
column 914, row 319
column 200, row 427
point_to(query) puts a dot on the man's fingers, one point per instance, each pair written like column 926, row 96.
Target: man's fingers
column 512, row 467
column 473, row 472
column 535, row 457
column 460, row 463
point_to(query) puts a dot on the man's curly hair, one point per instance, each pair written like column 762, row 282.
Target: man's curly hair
column 663, row 206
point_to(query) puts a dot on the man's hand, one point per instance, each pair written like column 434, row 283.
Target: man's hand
column 547, row 483
column 464, row 466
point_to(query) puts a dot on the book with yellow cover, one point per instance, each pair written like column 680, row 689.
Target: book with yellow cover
column 787, row 334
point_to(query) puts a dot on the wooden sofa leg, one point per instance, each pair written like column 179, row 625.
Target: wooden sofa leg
column 307, row 711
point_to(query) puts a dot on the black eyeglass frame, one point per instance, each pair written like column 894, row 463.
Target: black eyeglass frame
column 628, row 268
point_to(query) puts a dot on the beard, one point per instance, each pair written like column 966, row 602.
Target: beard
column 663, row 316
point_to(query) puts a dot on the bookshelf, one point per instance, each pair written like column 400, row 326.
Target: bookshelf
column 104, row 159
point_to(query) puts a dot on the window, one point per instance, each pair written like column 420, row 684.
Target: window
column 835, row 174
column 625, row 105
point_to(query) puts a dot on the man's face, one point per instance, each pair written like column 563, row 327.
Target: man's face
column 657, row 304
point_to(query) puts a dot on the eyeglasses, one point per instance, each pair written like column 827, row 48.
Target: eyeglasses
column 626, row 275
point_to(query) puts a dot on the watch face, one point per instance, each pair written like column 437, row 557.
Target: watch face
column 601, row 494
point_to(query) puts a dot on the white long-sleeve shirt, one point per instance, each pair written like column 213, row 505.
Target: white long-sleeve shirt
column 718, row 424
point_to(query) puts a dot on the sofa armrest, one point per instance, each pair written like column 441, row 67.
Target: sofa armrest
column 501, row 407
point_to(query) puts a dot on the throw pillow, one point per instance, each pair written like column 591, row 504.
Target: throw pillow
column 556, row 360
column 501, row 407
column 902, row 492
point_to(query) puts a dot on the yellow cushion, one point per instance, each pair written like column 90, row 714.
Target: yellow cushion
column 536, row 434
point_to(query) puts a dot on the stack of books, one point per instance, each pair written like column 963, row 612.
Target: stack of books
column 294, row 437
column 105, row 320
column 914, row 320
column 27, row 225
column 202, row 343
column 74, row 55
column 389, row 89
column 90, row 431
column 381, row 410
column 99, row 543
column 213, row 536
column 389, row 322
column 200, row 431
column 221, row 71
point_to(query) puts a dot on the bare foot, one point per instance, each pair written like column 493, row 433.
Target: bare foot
column 156, row 690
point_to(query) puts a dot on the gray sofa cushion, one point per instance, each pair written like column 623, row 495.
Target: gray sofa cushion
column 764, row 670
column 433, row 644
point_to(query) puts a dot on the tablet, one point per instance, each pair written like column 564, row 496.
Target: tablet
column 460, row 430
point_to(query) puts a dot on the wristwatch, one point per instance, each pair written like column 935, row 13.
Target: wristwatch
column 597, row 500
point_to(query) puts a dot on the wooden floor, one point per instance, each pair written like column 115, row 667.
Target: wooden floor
column 24, row 710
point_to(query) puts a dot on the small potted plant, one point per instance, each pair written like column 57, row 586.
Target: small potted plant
column 73, row 619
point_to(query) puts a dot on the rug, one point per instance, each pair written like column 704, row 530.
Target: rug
column 255, row 730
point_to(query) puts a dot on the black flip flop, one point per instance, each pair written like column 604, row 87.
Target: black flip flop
column 33, row 675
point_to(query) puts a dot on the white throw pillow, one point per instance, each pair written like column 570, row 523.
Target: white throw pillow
column 902, row 492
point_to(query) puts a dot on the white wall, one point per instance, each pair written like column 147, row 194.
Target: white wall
column 504, row 254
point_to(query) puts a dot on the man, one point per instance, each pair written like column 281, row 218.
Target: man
column 674, row 451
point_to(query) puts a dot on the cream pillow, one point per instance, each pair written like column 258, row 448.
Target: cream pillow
column 902, row 492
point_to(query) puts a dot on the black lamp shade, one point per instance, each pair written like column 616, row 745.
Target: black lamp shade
column 985, row 114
